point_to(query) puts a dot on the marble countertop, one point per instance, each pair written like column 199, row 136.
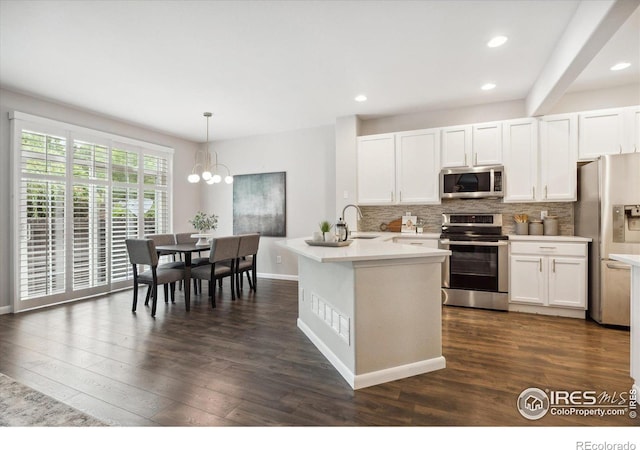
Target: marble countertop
column 634, row 260
column 362, row 250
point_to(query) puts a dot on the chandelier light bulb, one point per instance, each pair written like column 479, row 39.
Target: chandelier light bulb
column 228, row 179
column 206, row 175
column 193, row 178
column 210, row 181
column 216, row 178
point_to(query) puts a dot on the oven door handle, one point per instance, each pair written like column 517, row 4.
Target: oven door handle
column 476, row 243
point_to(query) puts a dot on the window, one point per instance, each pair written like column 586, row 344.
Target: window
column 79, row 194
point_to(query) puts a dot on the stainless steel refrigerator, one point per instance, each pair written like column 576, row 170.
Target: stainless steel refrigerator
column 608, row 211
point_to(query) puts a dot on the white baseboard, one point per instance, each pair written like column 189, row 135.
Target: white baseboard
column 5, row 310
column 277, row 276
column 377, row 377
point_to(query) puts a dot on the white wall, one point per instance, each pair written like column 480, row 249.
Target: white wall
column 617, row 97
column 308, row 158
column 186, row 196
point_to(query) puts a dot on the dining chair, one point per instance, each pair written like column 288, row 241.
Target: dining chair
column 143, row 252
column 222, row 249
column 246, row 262
column 164, row 239
column 185, row 238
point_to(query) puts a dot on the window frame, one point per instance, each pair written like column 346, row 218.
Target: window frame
column 73, row 133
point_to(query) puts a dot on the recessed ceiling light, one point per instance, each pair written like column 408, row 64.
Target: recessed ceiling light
column 361, row 98
column 497, row 41
column 620, row 66
column 488, row 86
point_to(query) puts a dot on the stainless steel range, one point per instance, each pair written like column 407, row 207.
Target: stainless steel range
column 476, row 274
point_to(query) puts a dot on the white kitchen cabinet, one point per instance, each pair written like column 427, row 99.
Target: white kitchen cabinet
column 486, row 144
column 558, row 158
column 520, row 139
column 548, row 275
column 601, row 133
column 418, row 167
column 376, row 169
column 399, row 168
column 472, row 145
column 634, row 118
column 456, row 146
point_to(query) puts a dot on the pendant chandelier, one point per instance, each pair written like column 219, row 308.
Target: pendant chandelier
column 210, row 170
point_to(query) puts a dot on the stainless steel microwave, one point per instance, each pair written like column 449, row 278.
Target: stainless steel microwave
column 472, row 182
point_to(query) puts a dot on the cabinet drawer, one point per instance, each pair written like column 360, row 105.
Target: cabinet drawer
column 430, row 243
column 549, row 248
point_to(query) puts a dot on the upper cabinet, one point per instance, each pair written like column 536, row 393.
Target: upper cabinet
column 418, row 166
column 456, row 146
column 472, row 145
column 486, row 144
column 520, row 138
column 608, row 131
column 558, row 158
column 399, row 168
column 376, row 169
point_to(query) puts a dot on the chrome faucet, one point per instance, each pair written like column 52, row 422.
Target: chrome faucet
column 344, row 210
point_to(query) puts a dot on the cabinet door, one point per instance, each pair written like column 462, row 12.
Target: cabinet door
column 418, row 163
column 601, row 133
column 567, row 282
column 456, row 146
column 376, row 169
column 520, row 138
column 527, row 279
column 558, row 158
column 634, row 126
column 486, row 143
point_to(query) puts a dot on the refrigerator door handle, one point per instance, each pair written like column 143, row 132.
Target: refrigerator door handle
column 618, row 266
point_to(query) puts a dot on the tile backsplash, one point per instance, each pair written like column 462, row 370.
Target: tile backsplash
column 431, row 215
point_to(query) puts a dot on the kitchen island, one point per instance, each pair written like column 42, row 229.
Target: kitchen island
column 634, row 261
column 372, row 308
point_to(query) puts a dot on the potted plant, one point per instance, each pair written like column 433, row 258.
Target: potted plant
column 325, row 227
column 204, row 222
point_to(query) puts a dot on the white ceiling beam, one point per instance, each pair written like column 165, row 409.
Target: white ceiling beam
column 591, row 27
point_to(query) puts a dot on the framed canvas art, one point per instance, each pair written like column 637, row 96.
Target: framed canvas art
column 259, row 204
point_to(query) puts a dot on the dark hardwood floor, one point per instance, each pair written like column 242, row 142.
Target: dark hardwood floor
column 246, row 363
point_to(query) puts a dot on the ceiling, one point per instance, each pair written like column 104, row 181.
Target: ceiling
column 270, row 66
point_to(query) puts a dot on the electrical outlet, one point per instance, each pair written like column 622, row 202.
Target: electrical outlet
column 345, row 194
column 543, row 214
column 278, row 259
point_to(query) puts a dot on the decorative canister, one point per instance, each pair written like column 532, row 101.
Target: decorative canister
column 535, row 227
column 551, row 226
column 522, row 228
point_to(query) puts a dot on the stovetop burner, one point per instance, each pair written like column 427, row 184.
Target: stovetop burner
column 472, row 227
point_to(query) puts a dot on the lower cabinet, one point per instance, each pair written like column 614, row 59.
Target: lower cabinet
column 548, row 278
column 423, row 242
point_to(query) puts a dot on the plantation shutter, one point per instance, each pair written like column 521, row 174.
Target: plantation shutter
column 41, row 236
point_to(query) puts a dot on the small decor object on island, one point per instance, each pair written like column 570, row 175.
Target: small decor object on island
column 325, row 227
column 203, row 223
column 409, row 223
column 522, row 225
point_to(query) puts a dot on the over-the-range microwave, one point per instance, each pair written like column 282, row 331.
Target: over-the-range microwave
column 472, row 182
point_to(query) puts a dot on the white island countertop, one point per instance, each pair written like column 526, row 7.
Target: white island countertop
column 360, row 250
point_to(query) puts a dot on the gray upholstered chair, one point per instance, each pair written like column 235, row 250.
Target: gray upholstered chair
column 164, row 239
column 222, row 249
column 143, row 251
column 185, row 238
column 246, row 262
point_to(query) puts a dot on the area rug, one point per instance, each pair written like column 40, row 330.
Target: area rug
column 21, row 406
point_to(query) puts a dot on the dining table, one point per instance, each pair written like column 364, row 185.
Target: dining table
column 187, row 250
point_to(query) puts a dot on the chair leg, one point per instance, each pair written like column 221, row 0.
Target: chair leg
column 236, row 277
column 166, row 292
column 135, row 296
column 173, row 292
column 220, row 283
column 251, row 288
column 255, row 278
column 233, row 290
column 212, row 293
column 146, row 299
column 154, row 302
